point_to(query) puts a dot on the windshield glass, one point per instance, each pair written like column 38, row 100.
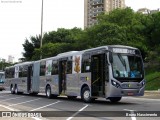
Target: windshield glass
column 126, row 66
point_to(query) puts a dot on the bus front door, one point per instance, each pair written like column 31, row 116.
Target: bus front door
column 98, row 75
column 62, row 76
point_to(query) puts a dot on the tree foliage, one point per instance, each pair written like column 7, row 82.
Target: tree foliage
column 121, row 26
column 30, row 46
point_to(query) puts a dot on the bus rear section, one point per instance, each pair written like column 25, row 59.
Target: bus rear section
column 22, row 78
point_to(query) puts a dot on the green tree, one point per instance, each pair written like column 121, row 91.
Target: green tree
column 54, row 42
column 29, row 47
column 124, row 26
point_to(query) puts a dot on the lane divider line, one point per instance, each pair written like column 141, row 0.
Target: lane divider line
column 11, row 99
column 77, row 112
column 45, row 106
column 11, row 109
column 23, row 102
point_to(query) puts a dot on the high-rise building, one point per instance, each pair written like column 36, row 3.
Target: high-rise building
column 94, row 7
column 10, row 59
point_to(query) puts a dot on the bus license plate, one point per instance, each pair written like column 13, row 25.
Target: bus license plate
column 130, row 94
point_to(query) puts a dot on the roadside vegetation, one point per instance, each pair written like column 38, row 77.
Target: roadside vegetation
column 153, row 81
column 152, row 77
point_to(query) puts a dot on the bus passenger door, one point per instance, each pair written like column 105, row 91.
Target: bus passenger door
column 62, row 76
column 29, row 77
column 98, row 75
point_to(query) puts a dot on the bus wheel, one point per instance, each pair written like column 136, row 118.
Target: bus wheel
column 48, row 92
column 85, row 95
column 114, row 99
column 12, row 89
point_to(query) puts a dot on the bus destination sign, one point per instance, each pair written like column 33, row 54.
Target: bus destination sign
column 123, row 50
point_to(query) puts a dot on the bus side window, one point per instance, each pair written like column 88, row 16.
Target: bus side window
column 69, row 67
column 12, row 72
column 20, row 71
column 24, row 72
column 42, row 68
column 86, row 64
column 55, row 67
column 6, row 73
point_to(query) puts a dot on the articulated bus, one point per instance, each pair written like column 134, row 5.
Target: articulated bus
column 2, row 80
column 104, row 72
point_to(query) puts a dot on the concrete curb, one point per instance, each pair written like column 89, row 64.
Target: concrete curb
column 152, row 91
column 152, row 94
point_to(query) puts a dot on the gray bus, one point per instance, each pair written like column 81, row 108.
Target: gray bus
column 104, row 72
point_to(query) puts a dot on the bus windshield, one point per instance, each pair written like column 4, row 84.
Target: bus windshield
column 127, row 66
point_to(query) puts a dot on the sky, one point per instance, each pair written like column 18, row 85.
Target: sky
column 20, row 19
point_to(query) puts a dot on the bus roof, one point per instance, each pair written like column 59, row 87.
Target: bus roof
column 72, row 53
column 25, row 63
column 67, row 53
column 121, row 46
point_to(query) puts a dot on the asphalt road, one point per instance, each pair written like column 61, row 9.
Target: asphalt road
column 28, row 107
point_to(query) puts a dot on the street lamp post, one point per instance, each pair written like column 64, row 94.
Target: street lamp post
column 41, row 30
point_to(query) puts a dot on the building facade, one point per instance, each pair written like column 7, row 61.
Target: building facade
column 94, row 7
column 10, row 59
column 147, row 11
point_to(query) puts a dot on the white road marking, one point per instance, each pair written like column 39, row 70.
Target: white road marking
column 132, row 113
column 77, row 112
column 45, row 106
column 11, row 109
column 11, row 99
column 24, row 102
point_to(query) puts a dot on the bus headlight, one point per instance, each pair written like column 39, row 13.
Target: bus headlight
column 115, row 84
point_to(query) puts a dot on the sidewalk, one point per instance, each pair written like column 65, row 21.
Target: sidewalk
column 153, row 94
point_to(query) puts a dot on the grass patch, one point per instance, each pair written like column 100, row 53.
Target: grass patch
column 152, row 80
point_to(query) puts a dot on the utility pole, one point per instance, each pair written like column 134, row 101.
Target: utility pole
column 41, row 29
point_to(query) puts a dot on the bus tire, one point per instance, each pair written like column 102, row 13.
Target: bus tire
column 85, row 95
column 114, row 99
column 12, row 89
column 48, row 92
